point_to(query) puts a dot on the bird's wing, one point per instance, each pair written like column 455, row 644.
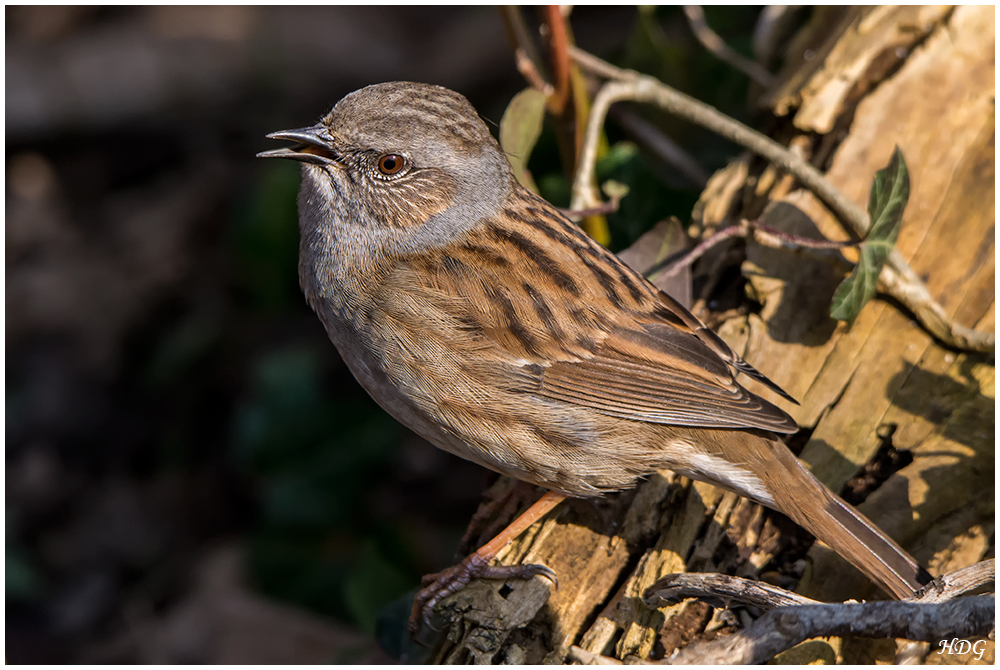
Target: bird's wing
column 659, row 373
column 532, row 298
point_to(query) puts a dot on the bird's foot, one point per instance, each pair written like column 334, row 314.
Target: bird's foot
column 442, row 584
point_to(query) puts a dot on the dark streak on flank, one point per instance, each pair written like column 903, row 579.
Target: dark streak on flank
column 534, row 369
column 587, row 249
column 511, row 320
column 542, row 225
column 512, row 214
column 545, row 213
column 586, row 343
column 573, row 237
column 602, row 256
column 575, row 231
column 543, row 311
column 538, row 256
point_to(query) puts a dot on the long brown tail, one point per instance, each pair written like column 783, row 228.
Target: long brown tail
column 804, row 499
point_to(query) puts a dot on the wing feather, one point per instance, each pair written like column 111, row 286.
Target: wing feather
column 607, row 340
column 670, row 381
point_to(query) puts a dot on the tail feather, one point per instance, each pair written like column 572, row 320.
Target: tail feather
column 843, row 528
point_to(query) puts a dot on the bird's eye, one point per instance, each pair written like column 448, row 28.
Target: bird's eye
column 390, row 164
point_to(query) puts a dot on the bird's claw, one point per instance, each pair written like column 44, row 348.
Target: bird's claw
column 442, row 584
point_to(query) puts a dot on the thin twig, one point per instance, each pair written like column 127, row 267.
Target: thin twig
column 763, row 234
column 958, row 582
column 609, row 207
column 528, row 70
column 715, row 44
column 519, row 35
column 699, row 251
column 897, row 279
column 766, row 234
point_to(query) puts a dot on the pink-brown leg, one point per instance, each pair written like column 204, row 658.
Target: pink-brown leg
column 446, row 582
column 499, row 507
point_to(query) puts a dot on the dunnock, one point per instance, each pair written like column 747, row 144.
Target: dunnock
column 480, row 317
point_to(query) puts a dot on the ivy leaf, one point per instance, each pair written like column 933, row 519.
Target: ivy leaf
column 520, row 128
column 889, row 194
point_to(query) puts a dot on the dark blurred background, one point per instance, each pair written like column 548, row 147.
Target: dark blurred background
column 192, row 475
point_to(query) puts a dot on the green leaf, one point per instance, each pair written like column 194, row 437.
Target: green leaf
column 615, row 189
column 520, row 128
column 890, row 192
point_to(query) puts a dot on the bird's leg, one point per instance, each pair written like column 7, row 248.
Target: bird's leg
column 498, row 509
column 446, row 582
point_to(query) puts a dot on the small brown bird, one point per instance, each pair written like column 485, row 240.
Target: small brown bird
column 481, row 318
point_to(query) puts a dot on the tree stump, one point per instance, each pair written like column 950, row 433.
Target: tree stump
column 858, row 82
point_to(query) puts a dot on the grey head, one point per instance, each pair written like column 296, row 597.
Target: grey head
column 401, row 162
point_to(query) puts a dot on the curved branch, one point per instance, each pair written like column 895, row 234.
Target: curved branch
column 933, row 614
column 721, row 591
column 725, row 590
column 897, row 279
column 958, row 583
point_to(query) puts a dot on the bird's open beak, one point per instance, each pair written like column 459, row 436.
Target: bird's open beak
column 312, row 145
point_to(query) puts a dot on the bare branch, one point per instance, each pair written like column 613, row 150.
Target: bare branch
column 699, row 251
column 531, row 74
column 609, row 207
column 763, row 234
column 558, row 56
column 930, row 615
column 715, row 44
column 721, row 591
column 785, row 627
column 519, row 34
column 958, row 583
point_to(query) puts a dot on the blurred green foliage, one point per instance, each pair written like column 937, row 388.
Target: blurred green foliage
column 22, row 579
column 315, row 460
column 265, row 239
